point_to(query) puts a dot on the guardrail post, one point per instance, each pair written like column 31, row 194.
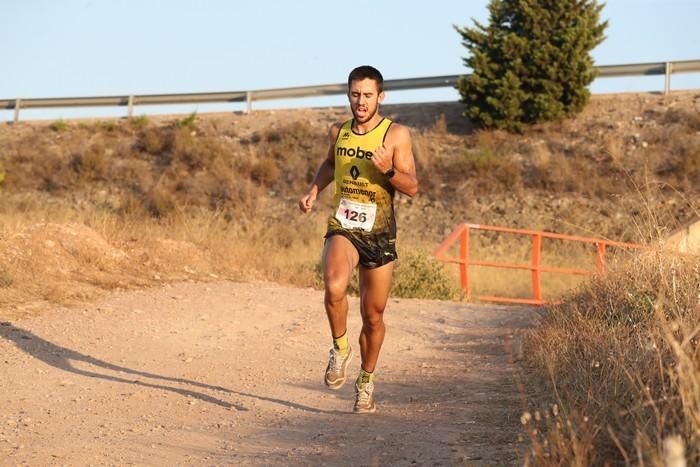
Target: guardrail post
column 600, row 257
column 536, row 256
column 464, row 264
column 18, row 105
column 248, row 102
column 130, row 111
column 667, row 78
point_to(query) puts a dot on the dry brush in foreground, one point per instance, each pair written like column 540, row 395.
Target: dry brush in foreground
column 621, row 363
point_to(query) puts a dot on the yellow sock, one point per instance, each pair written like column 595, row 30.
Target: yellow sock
column 364, row 377
column 341, row 343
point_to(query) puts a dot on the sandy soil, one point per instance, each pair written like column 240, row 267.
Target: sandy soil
column 230, row 374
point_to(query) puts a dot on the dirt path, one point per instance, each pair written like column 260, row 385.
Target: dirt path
column 230, row 374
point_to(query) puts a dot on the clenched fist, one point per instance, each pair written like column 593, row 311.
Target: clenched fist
column 383, row 158
column 307, row 202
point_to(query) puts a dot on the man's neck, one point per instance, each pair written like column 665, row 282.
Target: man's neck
column 367, row 126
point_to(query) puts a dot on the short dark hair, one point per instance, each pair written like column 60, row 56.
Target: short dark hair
column 365, row 72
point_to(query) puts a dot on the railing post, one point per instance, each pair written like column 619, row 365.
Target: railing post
column 536, row 255
column 248, row 102
column 600, row 257
column 464, row 265
column 130, row 110
column 18, row 105
column 667, row 78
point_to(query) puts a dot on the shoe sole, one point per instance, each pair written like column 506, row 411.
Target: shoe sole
column 371, row 409
column 337, row 384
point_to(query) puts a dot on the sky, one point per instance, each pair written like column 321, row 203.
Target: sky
column 70, row 48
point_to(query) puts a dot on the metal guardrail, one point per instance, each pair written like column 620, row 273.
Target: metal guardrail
column 607, row 71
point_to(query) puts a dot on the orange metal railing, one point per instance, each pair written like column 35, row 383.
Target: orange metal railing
column 461, row 234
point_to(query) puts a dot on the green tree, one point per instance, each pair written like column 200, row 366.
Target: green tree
column 531, row 63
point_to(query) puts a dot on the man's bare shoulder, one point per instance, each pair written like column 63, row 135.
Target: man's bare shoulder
column 398, row 133
column 334, row 129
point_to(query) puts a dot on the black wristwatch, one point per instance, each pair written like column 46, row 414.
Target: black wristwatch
column 390, row 173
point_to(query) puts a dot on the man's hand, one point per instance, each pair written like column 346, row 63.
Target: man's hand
column 307, row 202
column 383, row 159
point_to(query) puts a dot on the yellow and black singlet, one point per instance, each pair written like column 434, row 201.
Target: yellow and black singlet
column 364, row 198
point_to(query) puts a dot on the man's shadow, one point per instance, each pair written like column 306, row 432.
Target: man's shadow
column 63, row 358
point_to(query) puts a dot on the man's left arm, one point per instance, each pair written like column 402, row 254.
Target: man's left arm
column 397, row 154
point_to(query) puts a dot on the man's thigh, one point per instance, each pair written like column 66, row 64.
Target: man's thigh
column 339, row 260
column 375, row 284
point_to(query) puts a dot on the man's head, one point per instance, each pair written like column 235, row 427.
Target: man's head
column 365, row 92
column 366, row 72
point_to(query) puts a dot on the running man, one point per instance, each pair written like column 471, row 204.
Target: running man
column 369, row 157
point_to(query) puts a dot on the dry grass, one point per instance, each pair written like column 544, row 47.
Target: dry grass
column 621, row 361
column 80, row 255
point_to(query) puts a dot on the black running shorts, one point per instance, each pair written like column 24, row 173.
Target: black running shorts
column 374, row 251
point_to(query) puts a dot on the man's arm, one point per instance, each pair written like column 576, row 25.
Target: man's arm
column 396, row 153
column 324, row 174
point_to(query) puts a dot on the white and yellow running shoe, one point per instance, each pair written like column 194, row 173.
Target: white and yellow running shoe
column 364, row 402
column 337, row 368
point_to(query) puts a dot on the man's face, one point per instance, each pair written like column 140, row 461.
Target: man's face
column 364, row 99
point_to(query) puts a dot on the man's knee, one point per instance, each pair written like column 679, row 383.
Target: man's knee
column 373, row 318
column 336, row 287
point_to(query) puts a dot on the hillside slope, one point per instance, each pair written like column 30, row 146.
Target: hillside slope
column 215, row 195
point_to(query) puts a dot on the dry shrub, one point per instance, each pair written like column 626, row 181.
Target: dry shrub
column 265, row 172
column 142, row 121
column 439, row 128
column 489, row 172
column 160, row 201
column 679, row 160
column 131, row 206
column 689, row 119
column 91, row 164
column 483, row 164
column 286, row 157
column 59, row 126
column 154, row 140
column 187, row 123
column 51, row 171
column 431, row 163
column 106, row 125
column 620, row 358
column 614, row 149
column 419, row 275
column 194, row 152
column 555, row 173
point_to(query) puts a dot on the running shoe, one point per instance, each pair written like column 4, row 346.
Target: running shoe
column 364, row 402
column 336, row 369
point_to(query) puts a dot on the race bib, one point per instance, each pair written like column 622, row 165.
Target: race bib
column 354, row 215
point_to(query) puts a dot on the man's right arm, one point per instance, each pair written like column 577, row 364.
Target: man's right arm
column 324, row 174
